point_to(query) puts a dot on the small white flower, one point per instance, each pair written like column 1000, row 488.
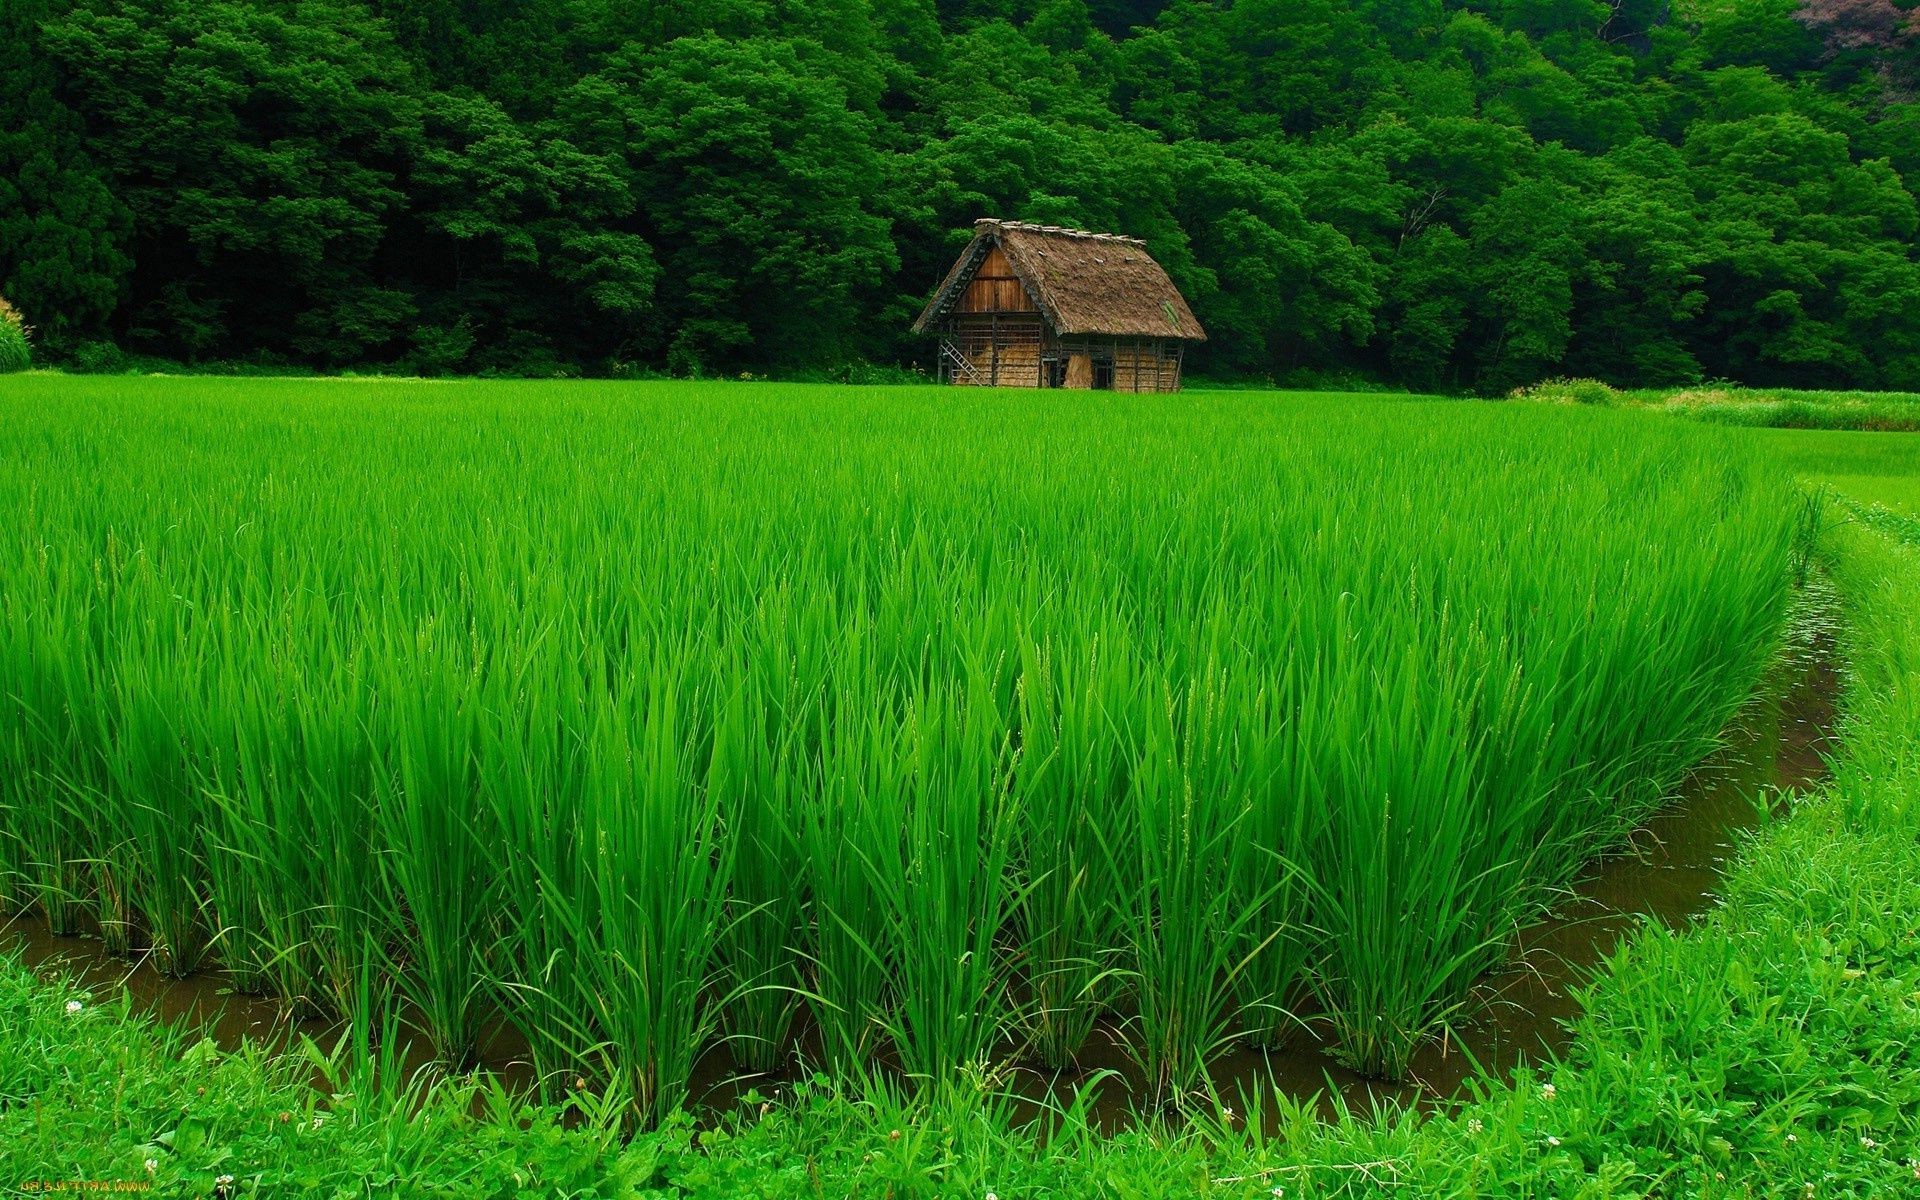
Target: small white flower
column 991, row 1196
column 153, row 1164
column 74, row 1006
column 1549, row 1091
column 1792, row 1138
column 1278, row 1192
column 1868, row 1142
column 1475, row 1125
column 1552, row 1140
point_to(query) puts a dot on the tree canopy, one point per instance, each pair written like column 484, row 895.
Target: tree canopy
column 1462, row 194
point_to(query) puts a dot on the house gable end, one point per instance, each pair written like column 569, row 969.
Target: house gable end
column 985, row 278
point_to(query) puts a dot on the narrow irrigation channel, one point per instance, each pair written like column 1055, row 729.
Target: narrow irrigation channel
column 1777, row 745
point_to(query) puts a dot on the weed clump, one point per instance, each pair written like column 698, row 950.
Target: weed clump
column 16, row 351
column 1569, row 391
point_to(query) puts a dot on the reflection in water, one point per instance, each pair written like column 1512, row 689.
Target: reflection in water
column 1668, row 874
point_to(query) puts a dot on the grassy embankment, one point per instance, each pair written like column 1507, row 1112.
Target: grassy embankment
column 1762, row 1052
column 1730, row 404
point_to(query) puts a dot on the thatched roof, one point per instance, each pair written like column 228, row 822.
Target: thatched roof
column 1098, row 283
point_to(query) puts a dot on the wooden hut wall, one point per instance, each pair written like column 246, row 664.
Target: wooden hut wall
column 1123, row 364
column 1145, row 365
column 1001, row 350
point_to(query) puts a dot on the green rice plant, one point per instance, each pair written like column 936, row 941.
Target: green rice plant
column 1287, row 812
column 1404, row 937
column 152, row 776
column 536, row 779
column 645, row 911
column 945, row 891
column 757, row 784
column 431, row 825
column 849, row 833
column 44, row 835
column 1183, row 921
column 115, row 871
column 1070, row 783
column 301, row 897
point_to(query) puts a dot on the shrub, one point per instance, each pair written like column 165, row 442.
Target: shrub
column 16, row 354
column 1568, row 391
column 96, row 358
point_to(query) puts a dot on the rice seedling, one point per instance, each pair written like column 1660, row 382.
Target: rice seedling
column 151, row 772
column 45, row 847
column 944, row 887
column 1183, row 921
column 536, row 765
column 644, row 912
column 756, row 782
column 429, row 823
column 1071, row 786
column 1286, row 815
column 849, row 831
column 654, row 716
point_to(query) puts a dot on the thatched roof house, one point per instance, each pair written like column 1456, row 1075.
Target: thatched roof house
column 1042, row 306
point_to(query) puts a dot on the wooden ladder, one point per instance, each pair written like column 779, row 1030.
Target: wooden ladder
column 959, row 362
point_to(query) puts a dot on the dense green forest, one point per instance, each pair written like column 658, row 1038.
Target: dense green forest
column 1428, row 192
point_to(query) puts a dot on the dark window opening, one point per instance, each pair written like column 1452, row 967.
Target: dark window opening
column 1103, row 374
column 1056, row 372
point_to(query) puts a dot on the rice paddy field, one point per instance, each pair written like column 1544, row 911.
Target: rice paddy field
column 907, row 733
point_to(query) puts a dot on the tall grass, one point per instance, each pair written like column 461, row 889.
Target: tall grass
column 16, row 347
column 652, row 717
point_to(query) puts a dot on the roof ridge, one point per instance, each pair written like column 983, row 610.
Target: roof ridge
column 1058, row 231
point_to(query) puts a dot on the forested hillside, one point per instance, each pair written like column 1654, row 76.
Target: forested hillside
column 1427, row 192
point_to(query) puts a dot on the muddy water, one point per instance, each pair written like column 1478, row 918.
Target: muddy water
column 1668, row 873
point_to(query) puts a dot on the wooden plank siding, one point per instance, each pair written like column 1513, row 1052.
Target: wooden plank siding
column 995, row 288
column 1000, row 350
column 1147, row 365
column 1015, row 350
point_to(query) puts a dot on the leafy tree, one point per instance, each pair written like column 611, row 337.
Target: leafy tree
column 754, row 181
column 63, row 235
column 1426, row 295
column 531, row 246
column 1529, row 255
column 259, row 153
column 1282, row 289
